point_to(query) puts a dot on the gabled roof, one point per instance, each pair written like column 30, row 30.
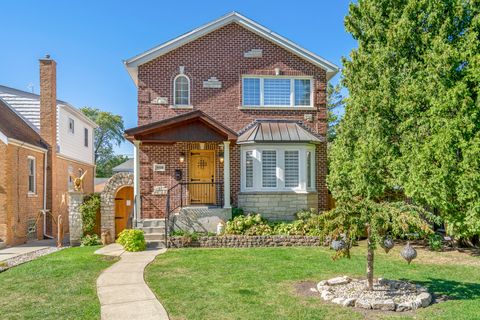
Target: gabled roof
column 28, row 105
column 191, row 126
column 13, row 126
column 277, row 131
column 133, row 63
column 126, row 166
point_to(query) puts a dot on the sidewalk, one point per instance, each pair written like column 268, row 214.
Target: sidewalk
column 13, row 252
column 121, row 289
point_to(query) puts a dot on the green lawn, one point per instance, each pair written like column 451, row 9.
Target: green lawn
column 260, row 283
column 57, row 286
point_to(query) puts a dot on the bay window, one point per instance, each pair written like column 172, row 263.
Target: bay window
column 277, row 167
column 276, row 92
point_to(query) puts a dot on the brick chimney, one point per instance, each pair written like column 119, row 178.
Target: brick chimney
column 48, row 129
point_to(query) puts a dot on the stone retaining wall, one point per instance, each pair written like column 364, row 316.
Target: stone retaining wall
column 277, row 205
column 244, row 241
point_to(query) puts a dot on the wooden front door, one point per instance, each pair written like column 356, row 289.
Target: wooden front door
column 123, row 209
column 202, row 177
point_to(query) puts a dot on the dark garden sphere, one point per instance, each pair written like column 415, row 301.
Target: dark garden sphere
column 408, row 253
column 387, row 244
column 338, row 245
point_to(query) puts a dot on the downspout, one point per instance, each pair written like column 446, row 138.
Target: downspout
column 136, row 184
column 44, row 211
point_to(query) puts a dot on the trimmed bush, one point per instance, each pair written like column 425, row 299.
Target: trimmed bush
column 89, row 209
column 132, row 240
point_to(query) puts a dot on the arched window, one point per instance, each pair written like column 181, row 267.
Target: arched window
column 181, row 90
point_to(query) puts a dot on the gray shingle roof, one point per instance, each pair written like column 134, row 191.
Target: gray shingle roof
column 127, row 166
column 271, row 131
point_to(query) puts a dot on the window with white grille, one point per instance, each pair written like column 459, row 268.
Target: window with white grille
column 291, row 169
column 278, row 91
column 269, row 169
column 249, row 169
column 181, row 90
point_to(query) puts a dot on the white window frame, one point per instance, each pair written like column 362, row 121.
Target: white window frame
column 292, row 92
column 34, row 160
column 261, row 169
column 280, row 170
column 71, row 129
column 175, row 91
column 299, row 166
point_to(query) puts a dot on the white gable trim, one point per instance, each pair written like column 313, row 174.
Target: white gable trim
column 3, row 138
column 133, row 63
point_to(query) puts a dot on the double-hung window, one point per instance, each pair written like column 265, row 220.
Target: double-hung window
column 269, row 169
column 276, row 92
column 31, row 175
column 291, row 169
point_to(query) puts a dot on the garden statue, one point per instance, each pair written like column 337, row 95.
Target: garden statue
column 78, row 181
column 409, row 253
column 387, row 244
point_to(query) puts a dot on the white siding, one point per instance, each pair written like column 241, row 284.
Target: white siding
column 72, row 145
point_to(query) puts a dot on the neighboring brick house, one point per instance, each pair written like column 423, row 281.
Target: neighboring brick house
column 39, row 132
column 230, row 114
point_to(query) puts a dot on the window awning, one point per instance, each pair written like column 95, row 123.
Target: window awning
column 278, row 131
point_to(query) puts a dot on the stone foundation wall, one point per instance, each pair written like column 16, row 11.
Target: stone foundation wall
column 277, row 206
column 244, row 241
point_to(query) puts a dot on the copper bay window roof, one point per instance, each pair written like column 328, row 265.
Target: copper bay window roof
column 278, row 131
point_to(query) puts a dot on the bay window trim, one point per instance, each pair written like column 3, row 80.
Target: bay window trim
column 280, row 149
column 292, row 92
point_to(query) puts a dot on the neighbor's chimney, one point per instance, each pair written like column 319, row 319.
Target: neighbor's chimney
column 48, row 130
column 48, row 101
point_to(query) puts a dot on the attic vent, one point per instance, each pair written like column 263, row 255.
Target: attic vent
column 254, row 53
column 159, row 167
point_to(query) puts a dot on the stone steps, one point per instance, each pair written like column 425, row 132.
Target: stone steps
column 154, row 232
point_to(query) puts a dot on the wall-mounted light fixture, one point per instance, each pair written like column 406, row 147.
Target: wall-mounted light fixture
column 220, row 157
column 277, row 71
column 182, row 157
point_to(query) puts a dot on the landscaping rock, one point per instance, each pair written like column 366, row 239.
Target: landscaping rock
column 338, row 281
column 386, row 305
column 425, row 299
column 327, row 295
column 349, row 302
column 339, row 300
column 387, row 295
column 364, row 304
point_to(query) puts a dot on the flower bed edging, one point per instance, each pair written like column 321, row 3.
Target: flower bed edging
column 237, row 241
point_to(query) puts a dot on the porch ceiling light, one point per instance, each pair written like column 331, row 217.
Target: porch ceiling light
column 182, row 157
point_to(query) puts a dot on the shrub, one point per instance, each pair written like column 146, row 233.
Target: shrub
column 237, row 212
column 89, row 209
column 91, row 240
column 435, row 242
column 132, row 240
column 242, row 225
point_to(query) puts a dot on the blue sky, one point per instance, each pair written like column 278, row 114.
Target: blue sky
column 89, row 40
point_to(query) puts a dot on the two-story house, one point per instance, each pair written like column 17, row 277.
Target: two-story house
column 230, row 114
column 42, row 142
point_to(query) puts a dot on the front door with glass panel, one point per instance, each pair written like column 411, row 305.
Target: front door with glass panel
column 202, row 177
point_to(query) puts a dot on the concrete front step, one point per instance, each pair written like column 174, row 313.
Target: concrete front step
column 153, row 223
column 156, row 244
column 155, row 236
column 149, row 230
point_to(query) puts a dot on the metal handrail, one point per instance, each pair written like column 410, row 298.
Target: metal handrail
column 184, row 198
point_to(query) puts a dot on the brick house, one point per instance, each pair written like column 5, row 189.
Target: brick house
column 230, row 114
column 42, row 141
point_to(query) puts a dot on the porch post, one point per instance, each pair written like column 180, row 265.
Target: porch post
column 136, row 183
column 226, row 174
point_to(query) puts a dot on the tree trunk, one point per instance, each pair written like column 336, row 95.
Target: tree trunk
column 370, row 253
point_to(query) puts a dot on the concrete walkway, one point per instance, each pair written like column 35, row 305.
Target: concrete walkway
column 121, row 289
column 13, row 252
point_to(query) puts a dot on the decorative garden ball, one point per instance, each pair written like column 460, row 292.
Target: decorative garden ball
column 409, row 253
column 338, row 245
column 387, row 244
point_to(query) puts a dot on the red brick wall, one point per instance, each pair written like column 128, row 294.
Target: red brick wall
column 20, row 205
column 220, row 54
column 3, row 192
